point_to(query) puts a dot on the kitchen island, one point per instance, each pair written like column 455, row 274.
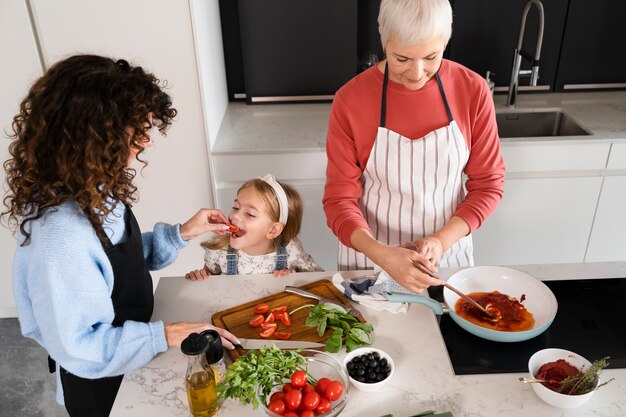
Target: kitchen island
column 423, row 379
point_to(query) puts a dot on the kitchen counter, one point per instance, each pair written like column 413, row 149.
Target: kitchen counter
column 423, row 379
column 266, row 128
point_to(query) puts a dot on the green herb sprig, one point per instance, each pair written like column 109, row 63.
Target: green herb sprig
column 345, row 327
column 585, row 380
column 263, row 368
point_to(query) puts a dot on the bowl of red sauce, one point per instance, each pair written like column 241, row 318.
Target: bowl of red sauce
column 555, row 365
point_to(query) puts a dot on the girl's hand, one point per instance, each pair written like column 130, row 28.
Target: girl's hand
column 198, row 274
column 205, row 220
column 282, row 272
column 175, row 333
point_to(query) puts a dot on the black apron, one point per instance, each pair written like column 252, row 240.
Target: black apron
column 132, row 299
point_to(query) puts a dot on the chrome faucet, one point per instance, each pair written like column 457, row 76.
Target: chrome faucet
column 516, row 73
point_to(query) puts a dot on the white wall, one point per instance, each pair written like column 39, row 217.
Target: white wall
column 20, row 66
column 158, row 35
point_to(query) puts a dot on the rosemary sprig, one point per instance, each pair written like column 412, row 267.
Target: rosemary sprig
column 585, row 380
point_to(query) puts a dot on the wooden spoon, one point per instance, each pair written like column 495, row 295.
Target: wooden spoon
column 451, row 288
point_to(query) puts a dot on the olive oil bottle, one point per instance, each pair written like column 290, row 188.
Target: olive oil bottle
column 200, row 380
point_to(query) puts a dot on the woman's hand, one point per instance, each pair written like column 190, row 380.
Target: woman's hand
column 198, row 274
column 205, row 220
column 398, row 263
column 175, row 333
column 429, row 248
column 282, row 272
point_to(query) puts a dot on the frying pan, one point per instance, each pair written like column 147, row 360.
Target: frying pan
column 540, row 301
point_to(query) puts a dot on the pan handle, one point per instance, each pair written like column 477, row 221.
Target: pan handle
column 396, row 297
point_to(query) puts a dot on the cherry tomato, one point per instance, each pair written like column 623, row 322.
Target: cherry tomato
column 287, row 387
column 290, row 414
column 261, row 308
column 307, row 413
column 266, row 326
column 308, row 388
column 298, row 379
column 277, row 406
column 256, row 321
column 293, row 399
column 232, row 228
column 322, row 383
column 270, row 318
column 323, row 407
column 334, row 390
column 267, row 333
column 279, row 310
column 279, row 395
column 282, row 335
column 286, row 319
column 311, row 400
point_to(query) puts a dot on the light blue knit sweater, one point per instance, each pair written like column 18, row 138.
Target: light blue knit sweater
column 62, row 283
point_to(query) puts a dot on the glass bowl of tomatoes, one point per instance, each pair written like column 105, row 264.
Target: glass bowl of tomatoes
column 319, row 388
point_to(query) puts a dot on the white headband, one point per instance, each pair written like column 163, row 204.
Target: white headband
column 281, row 197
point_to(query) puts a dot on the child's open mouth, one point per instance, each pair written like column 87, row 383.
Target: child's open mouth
column 239, row 233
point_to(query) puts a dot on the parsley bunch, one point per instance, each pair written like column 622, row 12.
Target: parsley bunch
column 264, row 368
column 345, row 327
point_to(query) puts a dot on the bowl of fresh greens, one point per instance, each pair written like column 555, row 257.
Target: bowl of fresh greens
column 319, row 387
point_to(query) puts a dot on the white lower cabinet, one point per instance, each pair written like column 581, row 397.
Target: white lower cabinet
column 608, row 237
column 539, row 220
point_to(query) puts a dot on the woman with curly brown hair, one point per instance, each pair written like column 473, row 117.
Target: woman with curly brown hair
column 80, row 272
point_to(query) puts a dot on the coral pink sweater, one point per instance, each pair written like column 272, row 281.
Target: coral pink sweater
column 354, row 121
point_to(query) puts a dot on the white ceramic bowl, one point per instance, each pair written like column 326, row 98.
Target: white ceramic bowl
column 363, row 386
column 552, row 397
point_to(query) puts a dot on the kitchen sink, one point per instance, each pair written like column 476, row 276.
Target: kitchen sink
column 524, row 123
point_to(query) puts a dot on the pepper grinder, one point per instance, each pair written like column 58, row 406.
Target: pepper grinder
column 214, row 354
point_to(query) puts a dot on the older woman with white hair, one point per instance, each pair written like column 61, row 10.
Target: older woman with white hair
column 402, row 137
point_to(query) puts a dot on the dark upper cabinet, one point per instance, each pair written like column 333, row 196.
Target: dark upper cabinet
column 594, row 45
column 485, row 34
column 296, row 48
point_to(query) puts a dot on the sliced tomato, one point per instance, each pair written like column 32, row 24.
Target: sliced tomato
column 256, row 321
column 232, row 228
column 268, row 332
column 286, row 319
column 261, row 308
column 270, row 318
column 282, row 335
column 266, row 326
column 279, row 310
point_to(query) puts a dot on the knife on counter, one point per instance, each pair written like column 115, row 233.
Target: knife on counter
column 283, row 344
column 304, row 293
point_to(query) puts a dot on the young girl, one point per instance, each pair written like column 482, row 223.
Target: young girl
column 267, row 215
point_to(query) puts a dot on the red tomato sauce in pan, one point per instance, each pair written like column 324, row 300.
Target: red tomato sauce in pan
column 509, row 315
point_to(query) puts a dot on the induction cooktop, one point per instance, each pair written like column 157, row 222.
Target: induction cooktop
column 591, row 321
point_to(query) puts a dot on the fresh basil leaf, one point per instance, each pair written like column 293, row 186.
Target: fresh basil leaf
column 329, row 307
column 360, row 336
column 333, row 344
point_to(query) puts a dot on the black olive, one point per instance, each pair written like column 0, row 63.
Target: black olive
column 383, row 362
column 350, row 366
column 376, row 355
column 360, row 371
column 356, row 359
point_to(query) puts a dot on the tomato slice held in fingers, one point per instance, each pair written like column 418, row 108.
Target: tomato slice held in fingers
column 286, row 319
column 268, row 332
column 256, row 321
column 261, row 308
column 283, row 335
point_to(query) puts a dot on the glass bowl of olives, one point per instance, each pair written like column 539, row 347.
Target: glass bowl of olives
column 368, row 368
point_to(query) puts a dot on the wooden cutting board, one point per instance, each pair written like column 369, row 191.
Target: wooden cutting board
column 236, row 319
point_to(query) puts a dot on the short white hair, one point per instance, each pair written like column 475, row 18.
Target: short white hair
column 414, row 21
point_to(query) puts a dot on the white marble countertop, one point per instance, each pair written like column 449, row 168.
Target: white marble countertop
column 423, row 380
column 264, row 128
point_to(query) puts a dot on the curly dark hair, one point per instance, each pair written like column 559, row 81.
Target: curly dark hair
column 73, row 138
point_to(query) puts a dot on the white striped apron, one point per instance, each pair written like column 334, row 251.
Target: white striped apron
column 411, row 188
